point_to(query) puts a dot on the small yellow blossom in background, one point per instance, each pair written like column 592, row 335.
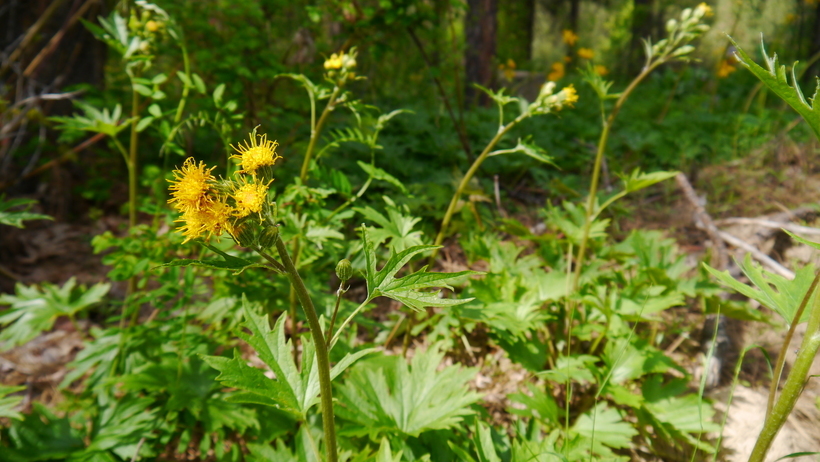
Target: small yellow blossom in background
column 570, row 95
column 601, row 70
column 725, row 69
column 210, row 220
column 250, row 197
column 567, row 59
column 190, row 186
column 569, row 37
column 586, row 53
column 508, row 69
column 557, row 72
column 707, row 10
column 334, row 62
column 256, row 154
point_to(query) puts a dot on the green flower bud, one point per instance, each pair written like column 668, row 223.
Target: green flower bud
column 245, row 235
column 268, row 237
column 344, row 270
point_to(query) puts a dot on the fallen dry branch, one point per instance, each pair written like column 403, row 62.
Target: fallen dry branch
column 760, row 256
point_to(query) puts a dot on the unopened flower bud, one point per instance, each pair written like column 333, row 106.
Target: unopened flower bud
column 268, row 237
column 245, row 235
column 344, row 270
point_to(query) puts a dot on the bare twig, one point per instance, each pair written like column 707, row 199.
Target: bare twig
column 31, row 33
column 797, row 229
column 55, row 40
column 720, row 259
column 760, row 256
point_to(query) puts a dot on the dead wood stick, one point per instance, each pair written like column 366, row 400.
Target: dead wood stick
column 55, row 40
column 720, row 259
column 797, row 229
column 760, row 256
column 31, row 33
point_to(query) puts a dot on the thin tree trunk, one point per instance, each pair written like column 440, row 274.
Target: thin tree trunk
column 480, row 31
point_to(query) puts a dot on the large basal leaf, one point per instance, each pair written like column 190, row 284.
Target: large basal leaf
column 607, row 428
column 385, row 396
column 406, row 290
column 772, row 290
column 774, row 77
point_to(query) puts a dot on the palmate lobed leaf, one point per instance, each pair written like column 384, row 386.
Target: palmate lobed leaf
column 386, row 396
column 774, row 77
column 34, row 309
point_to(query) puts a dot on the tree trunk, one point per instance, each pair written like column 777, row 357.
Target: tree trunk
column 480, row 28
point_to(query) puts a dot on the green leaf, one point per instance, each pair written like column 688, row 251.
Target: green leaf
column 33, row 310
column 609, row 429
column 199, row 84
column 405, row 290
column 774, row 77
column 378, row 174
column 144, row 123
column 385, row 454
column 637, row 180
column 772, row 290
column 576, row 368
column 8, row 403
column 528, row 149
column 385, row 396
column 483, row 441
column 218, row 92
column 16, row 218
column 228, row 262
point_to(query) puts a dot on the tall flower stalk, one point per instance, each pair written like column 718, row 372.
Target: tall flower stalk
column 240, row 207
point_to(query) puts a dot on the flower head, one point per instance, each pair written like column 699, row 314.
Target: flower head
column 600, row 70
column 570, row 95
column 334, row 62
column 190, row 186
column 569, row 37
column 705, row 9
column 257, row 154
column 725, row 69
column 250, row 197
column 212, row 219
column 586, row 53
column 557, row 72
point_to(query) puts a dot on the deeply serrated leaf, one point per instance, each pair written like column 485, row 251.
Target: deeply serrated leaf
column 772, row 290
column 775, row 78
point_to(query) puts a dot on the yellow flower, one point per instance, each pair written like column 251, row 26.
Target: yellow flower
column 211, row 219
column 334, row 62
column 586, row 53
column 570, row 95
column 257, row 154
column 725, row 69
column 508, row 69
column 250, row 197
column 707, row 10
column 557, row 72
column 569, row 37
column 601, row 70
column 190, row 186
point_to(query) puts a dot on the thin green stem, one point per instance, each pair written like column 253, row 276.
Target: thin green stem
column 132, row 155
column 345, row 323
column 329, row 331
column 322, row 358
column 781, row 357
column 445, row 223
column 793, row 386
column 315, row 130
column 596, row 170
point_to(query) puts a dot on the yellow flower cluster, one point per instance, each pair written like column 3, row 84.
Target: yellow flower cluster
column 340, row 60
column 586, row 53
column 569, row 37
column 209, row 207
